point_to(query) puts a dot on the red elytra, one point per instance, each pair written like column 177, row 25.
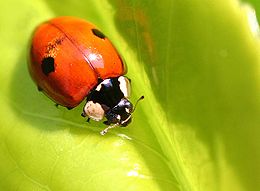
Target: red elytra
column 68, row 56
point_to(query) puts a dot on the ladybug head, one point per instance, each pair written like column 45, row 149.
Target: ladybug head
column 120, row 115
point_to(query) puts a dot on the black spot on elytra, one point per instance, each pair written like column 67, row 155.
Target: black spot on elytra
column 98, row 33
column 48, row 65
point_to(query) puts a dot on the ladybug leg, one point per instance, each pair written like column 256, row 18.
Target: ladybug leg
column 57, row 105
column 39, row 88
column 106, row 122
column 83, row 114
column 69, row 108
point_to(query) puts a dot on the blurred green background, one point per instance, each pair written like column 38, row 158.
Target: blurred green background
column 197, row 62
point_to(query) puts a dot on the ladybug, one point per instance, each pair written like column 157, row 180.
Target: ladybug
column 72, row 60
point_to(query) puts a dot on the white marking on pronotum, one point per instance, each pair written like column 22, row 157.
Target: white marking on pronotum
column 94, row 111
column 124, row 85
column 106, row 81
column 98, row 88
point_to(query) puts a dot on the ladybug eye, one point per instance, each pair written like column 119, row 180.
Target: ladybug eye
column 47, row 65
column 99, row 34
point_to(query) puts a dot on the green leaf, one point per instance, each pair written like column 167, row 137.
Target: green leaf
column 196, row 62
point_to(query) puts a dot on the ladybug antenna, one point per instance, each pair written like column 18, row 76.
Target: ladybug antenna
column 141, row 98
column 109, row 127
